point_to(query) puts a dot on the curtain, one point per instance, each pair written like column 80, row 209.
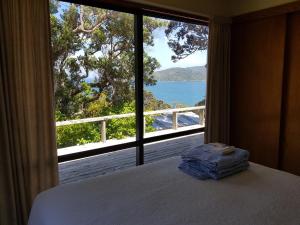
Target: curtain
column 218, row 82
column 28, row 157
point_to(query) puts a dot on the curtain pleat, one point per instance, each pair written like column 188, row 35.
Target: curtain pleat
column 218, row 82
column 28, row 157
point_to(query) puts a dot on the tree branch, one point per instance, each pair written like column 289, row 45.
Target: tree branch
column 81, row 28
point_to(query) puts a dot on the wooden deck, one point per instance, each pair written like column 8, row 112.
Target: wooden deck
column 106, row 163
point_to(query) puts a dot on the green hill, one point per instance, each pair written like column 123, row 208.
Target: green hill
column 181, row 74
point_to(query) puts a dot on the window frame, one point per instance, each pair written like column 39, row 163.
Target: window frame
column 138, row 11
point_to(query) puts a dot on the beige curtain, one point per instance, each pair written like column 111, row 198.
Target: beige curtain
column 28, row 158
column 218, row 82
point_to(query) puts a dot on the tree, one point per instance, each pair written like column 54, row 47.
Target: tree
column 153, row 104
column 201, row 103
column 185, row 38
column 93, row 65
column 91, row 42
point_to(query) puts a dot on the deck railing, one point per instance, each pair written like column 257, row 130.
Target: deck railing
column 200, row 110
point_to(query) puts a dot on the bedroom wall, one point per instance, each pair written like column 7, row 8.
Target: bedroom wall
column 265, row 79
column 290, row 144
column 238, row 7
column 211, row 8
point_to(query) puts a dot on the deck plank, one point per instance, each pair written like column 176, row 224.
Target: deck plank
column 81, row 169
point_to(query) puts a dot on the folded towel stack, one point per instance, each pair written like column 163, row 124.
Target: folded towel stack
column 214, row 161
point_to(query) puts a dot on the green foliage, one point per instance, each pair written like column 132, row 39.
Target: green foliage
column 149, row 121
column 95, row 42
column 120, row 128
column 93, row 64
column 152, row 104
column 77, row 134
column 201, row 103
column 186, row 38
column 90, row 132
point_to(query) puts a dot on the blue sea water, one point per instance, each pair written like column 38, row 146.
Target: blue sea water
column 184, row 92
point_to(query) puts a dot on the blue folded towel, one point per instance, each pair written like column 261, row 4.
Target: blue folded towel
column 215, row 159
column 207, row 161
column 196, row 170
column 186, row 168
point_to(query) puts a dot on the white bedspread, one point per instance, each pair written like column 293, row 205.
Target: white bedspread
column 160, row 194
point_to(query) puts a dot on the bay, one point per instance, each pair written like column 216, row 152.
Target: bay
column 187, row 93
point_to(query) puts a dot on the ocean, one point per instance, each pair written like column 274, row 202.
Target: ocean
column 187, row 93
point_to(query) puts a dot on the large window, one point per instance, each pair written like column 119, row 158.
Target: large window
column 124, row 79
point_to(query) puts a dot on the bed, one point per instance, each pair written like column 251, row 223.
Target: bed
column 160, row 194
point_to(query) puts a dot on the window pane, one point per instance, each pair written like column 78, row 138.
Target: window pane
column 172, row 147
column 93, row 65
column 175, row 65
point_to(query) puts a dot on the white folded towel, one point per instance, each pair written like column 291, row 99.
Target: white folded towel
column 225, row 149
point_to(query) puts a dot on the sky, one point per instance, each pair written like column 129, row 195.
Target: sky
column 162, row 52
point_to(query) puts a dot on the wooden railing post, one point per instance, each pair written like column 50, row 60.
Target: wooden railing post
column 145, row 125
column 103, row 130
column 175, row 120
column 201, row 116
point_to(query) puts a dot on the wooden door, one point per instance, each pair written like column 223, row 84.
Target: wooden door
column 256, row 87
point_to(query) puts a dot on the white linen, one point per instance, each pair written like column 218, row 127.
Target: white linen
column 160, row 194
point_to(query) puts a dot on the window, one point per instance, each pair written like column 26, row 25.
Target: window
column 124, row 78
column 175, row 59
column 93, row 63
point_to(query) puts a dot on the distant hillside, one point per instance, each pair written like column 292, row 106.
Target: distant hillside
column 181, row 74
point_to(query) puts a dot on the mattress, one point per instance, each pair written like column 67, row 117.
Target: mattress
column 160, row 194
